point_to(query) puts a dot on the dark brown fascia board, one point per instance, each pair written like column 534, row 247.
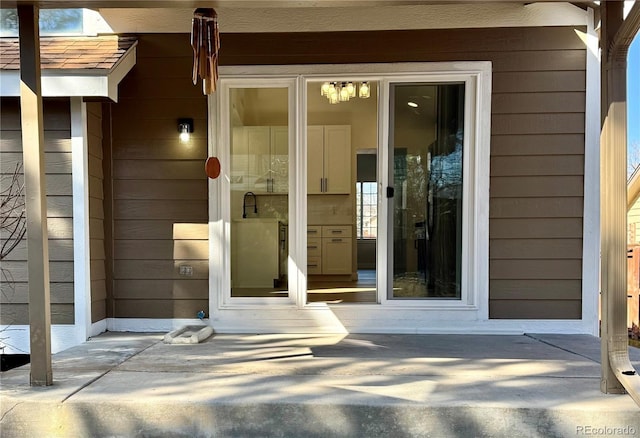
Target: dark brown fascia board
column 149, row 4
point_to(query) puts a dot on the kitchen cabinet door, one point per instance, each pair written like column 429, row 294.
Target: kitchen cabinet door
column 258, row 148
column 279, row 159
column 337, row 159
column 336, row 255
column 315, row 158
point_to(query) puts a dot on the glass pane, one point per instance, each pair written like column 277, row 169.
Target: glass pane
column 426, row 136
column 259, row 191
column 341, row 262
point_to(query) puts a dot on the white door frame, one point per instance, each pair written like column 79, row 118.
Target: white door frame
column 277, row 315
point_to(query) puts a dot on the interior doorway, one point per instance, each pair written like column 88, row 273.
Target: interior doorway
column 342, row 191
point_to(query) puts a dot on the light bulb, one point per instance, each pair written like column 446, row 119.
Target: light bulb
column 333, row 97
column 364, row 90
column 351, row 89
column 344, row 94
column 324, row 90
column 184, row 133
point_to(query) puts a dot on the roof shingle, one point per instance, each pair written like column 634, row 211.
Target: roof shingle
column 70, row 53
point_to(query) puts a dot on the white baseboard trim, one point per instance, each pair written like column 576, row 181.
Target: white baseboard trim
column 98, row 327
column 142, row 325
column 14, row 339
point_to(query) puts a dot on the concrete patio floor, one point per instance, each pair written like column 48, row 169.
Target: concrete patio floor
column 131, row 384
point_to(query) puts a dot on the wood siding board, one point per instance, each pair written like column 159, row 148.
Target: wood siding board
column 382, row 46
column 60, row 206
column 536, row 186
column 96, row 189
column 565, row 207
column 98, row 310
column 54, row 141
column 18, row 293
column 163, row 189
column 162, row 289
column 55, row 112
column 158, row 269
column 535, row 228
column 97, row 248
column 536, row 289
column 533, row 145
column 537, row 165
column 96, row 208
column 177, row 210
column 539, row 82
column 54, row 162
column 547, row 123
column 147, row 149
column 59, row 250
column 548, row 249
column 535, row 309
column 535, row 269
column 158, row 169
column 159, row 308
column 96, row 228
column 162, row 110
column 60, row 271
column 524, row 103
column 18, row 314
column 98, row 290
column 161, row 249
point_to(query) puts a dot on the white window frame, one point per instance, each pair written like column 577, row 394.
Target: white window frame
column 475, row 263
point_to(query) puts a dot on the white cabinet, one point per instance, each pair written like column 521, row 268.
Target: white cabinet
column 260, row 158
column 329, row 159
column 329, row 250
column 255, row 253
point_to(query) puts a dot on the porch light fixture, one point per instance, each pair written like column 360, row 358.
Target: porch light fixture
column 343, row 91
column 185, row 128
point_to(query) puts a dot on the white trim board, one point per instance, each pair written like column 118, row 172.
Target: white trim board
column 402, row 315
column 298, row 17
column 591, row 215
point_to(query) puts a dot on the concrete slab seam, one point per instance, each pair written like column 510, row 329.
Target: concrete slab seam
column 558, row 347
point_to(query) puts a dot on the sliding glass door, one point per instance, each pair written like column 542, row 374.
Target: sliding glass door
column 426, row 132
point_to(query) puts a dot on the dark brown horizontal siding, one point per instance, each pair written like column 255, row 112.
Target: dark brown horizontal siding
column 14, row 289
column 159, row 197
column 537, row 160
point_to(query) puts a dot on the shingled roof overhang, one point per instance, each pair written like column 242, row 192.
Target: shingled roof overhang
column 72, row 66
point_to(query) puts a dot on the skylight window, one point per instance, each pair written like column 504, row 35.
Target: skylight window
column 57, row 22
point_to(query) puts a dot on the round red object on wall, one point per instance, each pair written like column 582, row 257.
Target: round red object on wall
column 212, row 167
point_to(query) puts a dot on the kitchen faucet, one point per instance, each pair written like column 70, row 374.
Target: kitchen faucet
column 244, row 204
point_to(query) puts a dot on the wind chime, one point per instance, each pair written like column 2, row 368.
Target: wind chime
column 205, row 41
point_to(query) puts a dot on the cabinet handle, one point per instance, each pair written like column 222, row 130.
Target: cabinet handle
column 336, row 231
column 312, row 231
column 312, row 266
column 326, row 185
column 321, row 185
column 336, row 240
column 312, row 247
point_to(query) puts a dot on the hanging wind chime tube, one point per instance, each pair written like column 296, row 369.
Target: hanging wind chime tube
column 205, row 41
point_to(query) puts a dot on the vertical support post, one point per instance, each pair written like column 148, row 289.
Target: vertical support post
column 613, row 195
column 36, row 206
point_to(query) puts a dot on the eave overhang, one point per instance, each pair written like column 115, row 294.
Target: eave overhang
column 75, row 82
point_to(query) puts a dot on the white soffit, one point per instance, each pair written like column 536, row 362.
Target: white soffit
column 325, row 19
column 72, row 82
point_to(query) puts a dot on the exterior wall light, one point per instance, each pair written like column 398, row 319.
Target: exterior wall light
column 185, row 128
